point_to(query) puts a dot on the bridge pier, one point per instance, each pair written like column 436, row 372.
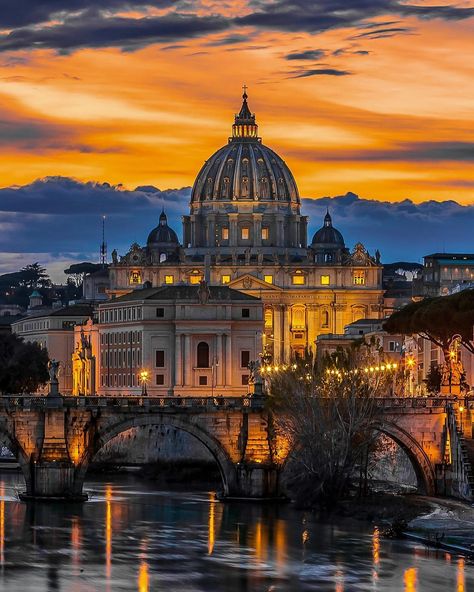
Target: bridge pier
column 53, row 480
column 254, row 481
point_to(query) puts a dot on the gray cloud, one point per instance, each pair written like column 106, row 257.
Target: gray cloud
column 310, row 54
column 411, row 151
column 84, row 23
column 91, row 29
column 61, row 217
column 319, row 72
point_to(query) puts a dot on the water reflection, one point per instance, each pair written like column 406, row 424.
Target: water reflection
column 130, row 537
column 460, row 576
column 108, row 534
column 409, row 579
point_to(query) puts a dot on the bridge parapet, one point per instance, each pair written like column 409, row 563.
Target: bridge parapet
column 207, row 404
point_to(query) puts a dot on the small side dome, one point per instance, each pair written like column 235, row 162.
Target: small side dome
column 328, row 236
column 163, row 235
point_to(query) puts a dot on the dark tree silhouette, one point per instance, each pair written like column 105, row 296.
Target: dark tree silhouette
column 23, row 366
column 437, row 320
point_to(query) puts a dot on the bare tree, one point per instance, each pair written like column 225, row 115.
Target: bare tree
column 326, row 417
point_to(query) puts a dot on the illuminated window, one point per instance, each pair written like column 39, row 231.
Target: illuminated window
column 169, row 279
column 245, row 233
column 298, row 279
column 135, row 277
column 268, row 318
column 268, row 279
column 265, row 234
column 324, row 280
column 225, row 234
column 195, row 279
column 225, row 279
column 359, row 278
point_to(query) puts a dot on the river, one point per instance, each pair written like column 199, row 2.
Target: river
column 132, row 537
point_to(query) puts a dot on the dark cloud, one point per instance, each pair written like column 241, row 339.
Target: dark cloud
column 66, row 27
column 407, row 151
column 61, row 217
column 92, row 29
column 402, row 230
column 27, row 134
column 320, row 72
column 322, row 15
column 230, row 40
column 382, row 33
column 20, row 13
column 310, row 54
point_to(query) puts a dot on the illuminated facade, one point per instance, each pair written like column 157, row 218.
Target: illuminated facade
column 245, row 230
column 179, row 340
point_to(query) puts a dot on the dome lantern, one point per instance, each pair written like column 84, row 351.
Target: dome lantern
column 245, row 125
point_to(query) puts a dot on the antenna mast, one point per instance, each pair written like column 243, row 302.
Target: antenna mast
column 103, row 246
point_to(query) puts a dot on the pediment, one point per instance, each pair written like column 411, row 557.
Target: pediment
column 250, row 282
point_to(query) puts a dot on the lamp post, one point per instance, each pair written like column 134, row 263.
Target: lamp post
column 461, row 409
column 144, row 376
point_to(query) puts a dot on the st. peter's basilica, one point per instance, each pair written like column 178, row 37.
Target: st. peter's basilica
column 245, row 231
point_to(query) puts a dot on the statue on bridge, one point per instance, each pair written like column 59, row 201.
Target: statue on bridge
column 452, row 370
column 53, row 370
column 255, row 377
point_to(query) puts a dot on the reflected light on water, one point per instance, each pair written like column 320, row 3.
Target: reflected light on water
column 143, row 577
column 2, row 525
column 211, row 534
column 375, row 553
column 76, row 541
column 409, row 579
column 376, row 546
column 108, row 532
column 339, row 581
column 280, row 544
column 461, row 583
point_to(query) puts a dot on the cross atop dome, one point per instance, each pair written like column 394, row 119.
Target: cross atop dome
column 245, row 125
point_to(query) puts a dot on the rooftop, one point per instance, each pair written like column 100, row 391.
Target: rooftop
column 183, row 292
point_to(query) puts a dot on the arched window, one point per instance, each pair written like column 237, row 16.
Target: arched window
column 358, row 312
column 325, row 319
column 163, row 257
column 203, row 355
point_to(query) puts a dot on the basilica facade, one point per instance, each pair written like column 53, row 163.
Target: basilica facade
column 245, row 231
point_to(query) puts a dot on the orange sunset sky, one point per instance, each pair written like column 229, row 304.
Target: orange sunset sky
column 371, row 97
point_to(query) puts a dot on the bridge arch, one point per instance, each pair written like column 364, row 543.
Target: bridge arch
column 420, row 461
column 22, row 458
column 226, row 466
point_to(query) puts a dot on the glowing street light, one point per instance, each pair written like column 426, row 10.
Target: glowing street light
column 144, row 377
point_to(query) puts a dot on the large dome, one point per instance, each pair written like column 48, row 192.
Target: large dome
column 245, row 169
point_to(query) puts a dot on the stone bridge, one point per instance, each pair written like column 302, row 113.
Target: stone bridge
column 55, row 439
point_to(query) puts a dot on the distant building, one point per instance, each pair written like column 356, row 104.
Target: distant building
column 188, row 339
column 53, row 329
column 444, row 273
